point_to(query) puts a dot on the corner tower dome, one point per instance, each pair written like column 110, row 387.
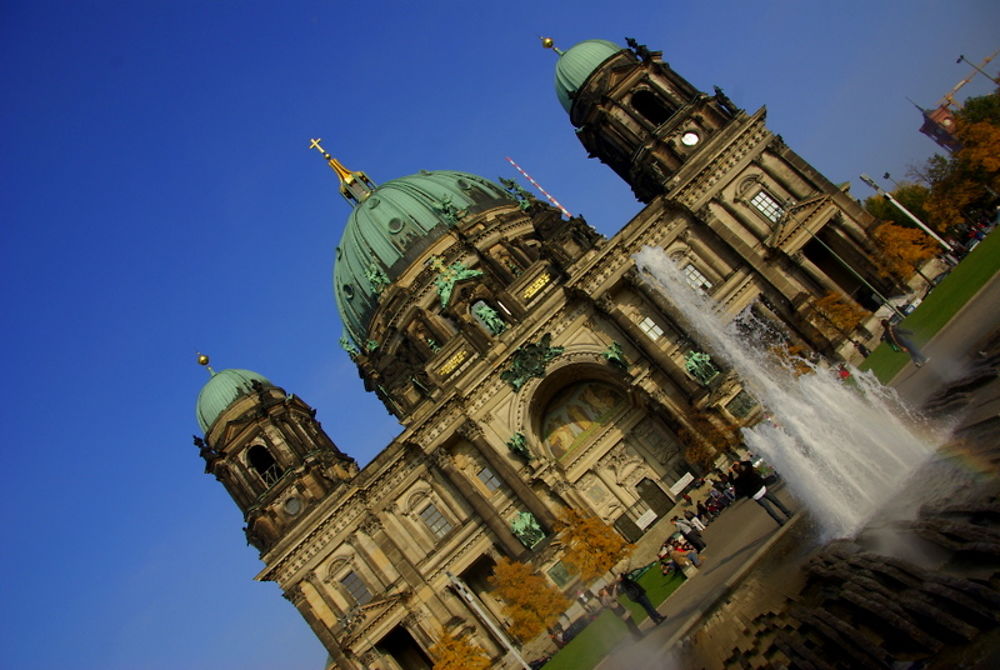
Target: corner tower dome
column 578, row 63
column 221, row 391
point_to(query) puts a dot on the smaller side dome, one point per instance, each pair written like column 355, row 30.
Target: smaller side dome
column 221, row 391
column 578, row 63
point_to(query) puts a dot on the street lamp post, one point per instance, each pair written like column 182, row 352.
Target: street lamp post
column 470, row 598
column 923, row 226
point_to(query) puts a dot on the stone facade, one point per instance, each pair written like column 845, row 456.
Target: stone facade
column 550, row 376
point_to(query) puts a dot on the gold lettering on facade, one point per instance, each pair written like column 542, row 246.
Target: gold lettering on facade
column 536, row 286
column 452, row 363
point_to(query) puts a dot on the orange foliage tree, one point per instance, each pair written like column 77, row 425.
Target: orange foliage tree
column 902, row 250
column 530, row 602
column 794, row 357
column 457, row 653
column 968, row 181
column 837, row 315
column 592, row 546
column 703, row 440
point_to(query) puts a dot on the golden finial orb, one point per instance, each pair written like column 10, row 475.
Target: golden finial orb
column 203, row 360
column 548, row 43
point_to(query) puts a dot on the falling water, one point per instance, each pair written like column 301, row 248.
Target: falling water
column 843, row 449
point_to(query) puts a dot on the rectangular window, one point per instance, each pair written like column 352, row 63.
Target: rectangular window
column 436, row 523
column 653, row 331
column 696, row 279
column 489, row 479
column 559, row 574
column 354, row 586
column 767, row 206
column 741, row 405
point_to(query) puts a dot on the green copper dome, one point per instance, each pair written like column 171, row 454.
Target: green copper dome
column 391, row 227
column 221, row 391
column 578, row 63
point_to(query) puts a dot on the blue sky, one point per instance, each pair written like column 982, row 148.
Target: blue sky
column 159, row 198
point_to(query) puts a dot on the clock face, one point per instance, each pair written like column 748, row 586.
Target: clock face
column 690, row 138
column 293, row 506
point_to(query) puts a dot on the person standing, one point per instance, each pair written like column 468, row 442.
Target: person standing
column 634, row 592
column 901, row 339
column 703, row 513
column 608, row 599
column 749, row 484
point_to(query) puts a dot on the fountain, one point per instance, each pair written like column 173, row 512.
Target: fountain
column 842, row 449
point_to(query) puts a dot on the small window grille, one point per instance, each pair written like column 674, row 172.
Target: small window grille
column 489, row 479
column 741, row 405
column 696, row 279
column 767, row 206
column 435, row 522
column 356, row 588
column 652, row 330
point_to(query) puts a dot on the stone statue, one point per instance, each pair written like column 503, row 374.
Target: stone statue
column 527, row 530
column 448, row 276
column 641, row 50
column 451, row 214
column 376, row 278
column 349, row 346
column 519, row 447
column 524, row 198
column 616, row 356
column 489, row 317
column 699, row 365
column 530, row 360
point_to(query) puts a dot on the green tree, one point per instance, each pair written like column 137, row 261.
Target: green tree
column 911, row 196
column 592, row 546
column 530, row 601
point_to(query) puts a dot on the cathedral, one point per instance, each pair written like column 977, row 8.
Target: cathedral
column 531, row 366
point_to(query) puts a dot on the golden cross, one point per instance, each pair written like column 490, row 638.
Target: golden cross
column 314, row 144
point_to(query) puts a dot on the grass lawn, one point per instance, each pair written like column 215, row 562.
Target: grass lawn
column 594, row 642
column 940, row 305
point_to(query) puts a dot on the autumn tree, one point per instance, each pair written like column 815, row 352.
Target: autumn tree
column 530, row 602
column 793, row 357
column 592, row 546
column 967, row 184
column 902, row 250
column 703, row 440
column 837, row 315
column 457, row 653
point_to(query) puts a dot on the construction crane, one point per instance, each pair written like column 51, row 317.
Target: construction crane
column 939, row 122
column 949, row 98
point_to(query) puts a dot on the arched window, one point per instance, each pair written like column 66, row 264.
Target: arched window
column 577, row 414
column 263, row 463
column 651, row 107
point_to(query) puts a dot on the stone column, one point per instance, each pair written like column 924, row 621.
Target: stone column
column 298, row 599
column 604, row 305
column 474, row 434
column 441, row 462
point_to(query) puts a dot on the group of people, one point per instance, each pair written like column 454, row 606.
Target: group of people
column 685, row 548
column 678, row 554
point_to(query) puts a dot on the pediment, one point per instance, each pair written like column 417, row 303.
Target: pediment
column 800, row 215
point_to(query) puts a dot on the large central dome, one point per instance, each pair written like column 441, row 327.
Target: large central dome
column 392, row 226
